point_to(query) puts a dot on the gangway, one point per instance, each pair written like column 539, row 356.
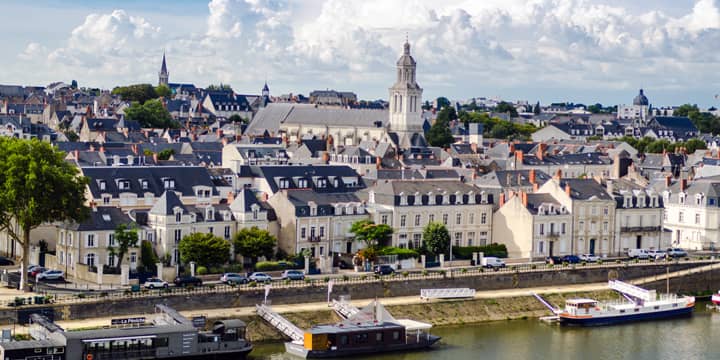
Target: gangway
column 452, row 293
column 280, row 323
column 344, row 309
column 632, row 290
column 546, row 303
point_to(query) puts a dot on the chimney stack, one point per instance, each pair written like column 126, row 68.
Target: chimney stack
column 155, row 158
column 474, row 147
column 518, row 158
column 502, row 199
column 325, row 157
column 542, row 147
column 524, row 198
column 378, row 162
column 77, row 154
column 558, row 175
column 567, row 189
column 532, row 176
column 219, row 133
column 683, row 184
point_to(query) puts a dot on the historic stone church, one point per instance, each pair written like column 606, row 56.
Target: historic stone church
column 401, row 124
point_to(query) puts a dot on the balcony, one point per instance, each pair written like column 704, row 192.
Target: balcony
column 315, row 238
column 640, row 229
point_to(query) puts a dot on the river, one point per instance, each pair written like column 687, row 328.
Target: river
column 697, row 337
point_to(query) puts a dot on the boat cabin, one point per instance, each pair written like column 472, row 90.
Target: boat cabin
column 580, row 306
column 344, row 336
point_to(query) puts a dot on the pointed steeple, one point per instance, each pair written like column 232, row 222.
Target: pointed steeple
column 163, row 69
column 163, row 75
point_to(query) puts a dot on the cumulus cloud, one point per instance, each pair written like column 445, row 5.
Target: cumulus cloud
column 498, row 43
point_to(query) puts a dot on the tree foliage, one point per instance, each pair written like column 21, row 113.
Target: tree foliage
column 370, row 233
column 219, row 87
column 125, row 238
column 254, row 242
column 235, row 118
column 204, row 249
column 442, row 102
column 150, row 114
column 536, row 109
column 166, row 154
column 506, row 107
column 148, row 258
column 704, row 121
column 37, row 186
column 136, row 93
column 436, row 238
column 650, row 145
column 163, row 91
column 498, row 128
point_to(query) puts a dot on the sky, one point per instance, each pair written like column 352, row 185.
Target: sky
column 583, row 51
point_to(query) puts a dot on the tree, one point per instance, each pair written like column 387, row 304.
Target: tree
column 221, row 87
column 37, row 186
column 595, row 109
column 204, row 249
column 506, row 107
column 147, row 256
column 439, row 135
column 166, row 154
column 442, row 102
column 254, row 242
column 150, row 114
column 695, row 144
column 536, row 109
column 370, row 233
column 235, row 118
column 72, row 136
column 163, row 91
column 502, row 130
column 139, row 92
column 125, row 238
column 446, row 115
column 436, row 238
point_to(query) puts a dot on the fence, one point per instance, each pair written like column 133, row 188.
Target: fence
column 362, row 279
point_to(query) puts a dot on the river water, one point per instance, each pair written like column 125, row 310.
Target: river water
column 696, row 337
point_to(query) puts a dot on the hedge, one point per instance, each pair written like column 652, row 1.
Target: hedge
column 275, row 265
column 465, row 252
column 401, row 253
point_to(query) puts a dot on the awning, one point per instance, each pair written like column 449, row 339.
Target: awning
column 412, row 325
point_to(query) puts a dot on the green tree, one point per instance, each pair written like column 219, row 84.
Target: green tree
column 235, row 118
column 220, row 87
column 125, row 237
column 502, row 130
column 204, row 249
column 163, row 91
column 72, row 136
column 695, row 144
column 506, row 107
column 150, row 114
column 686, row 110
column 436, row 238
column 446, row 115
column 373, row 235
column 537, row 109
column 166, row 154
column 37, row 186
column 139, row 92
column 442, row 102
column 147, row 256
column 439, row 135
column 595, row 108
column 254, row 242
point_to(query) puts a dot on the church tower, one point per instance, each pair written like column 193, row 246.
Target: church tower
column 406, row 98
column 163, row 75
column 265, row 95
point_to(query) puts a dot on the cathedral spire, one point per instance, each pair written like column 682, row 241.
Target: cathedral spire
column 163, row 75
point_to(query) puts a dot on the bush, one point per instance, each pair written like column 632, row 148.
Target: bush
column 405, row 274
column 252, row 284
column 326, row 279
column 465, row 252
column 201, row 270
column 401, row 253
column 345, row 278
column 275, row 265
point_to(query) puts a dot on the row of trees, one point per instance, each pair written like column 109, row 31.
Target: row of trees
column 146, row 104
column 436, row 238
column 654, row 146
column 209, row 250
column 704, row 121
column 141, row 92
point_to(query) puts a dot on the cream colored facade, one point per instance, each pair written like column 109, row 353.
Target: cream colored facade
column 692, row 215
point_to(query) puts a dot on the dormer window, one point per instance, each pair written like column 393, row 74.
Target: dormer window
column 102, row 185
column 628, row 202
column 144, row 184
column 336, row 182
column 284, row 183
column 641, row 201
column 178, row 217
column 698, row 199
column 403, row 198
column 169, row 183
column 322, row 183
column 255, row 213
column 371, row 197
column 123, row 184
column 209, row 214
column 302, row 183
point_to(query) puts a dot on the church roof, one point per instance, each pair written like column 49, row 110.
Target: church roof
column 163, row 68
column 272, row 116
column 641, row 99
column 406, row 59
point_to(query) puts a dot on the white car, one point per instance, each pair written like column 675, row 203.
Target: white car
column 657, row 254
column 153, row 283
column 260, row 277
column 50, row 275
column 589, row 258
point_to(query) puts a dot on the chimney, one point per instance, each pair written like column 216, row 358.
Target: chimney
column 518, row 158
column 102, row 148
column 558, row 175
column 474, row 147
column 567, row 189
column 502, row 199
column 683, row 184
column 93, row 205
column 155, row 158
column 512, row 148
column 474, row 175
column 524, row 198
column 610, row 187
column 231, row 197
column 378, row 162
column 77, row 154
column 326, row 157
column 219, row 133
column 264, row 196
column 668, row 181
column 532, row 176
column 519, row 179
column 542, row 147
column 92, row 147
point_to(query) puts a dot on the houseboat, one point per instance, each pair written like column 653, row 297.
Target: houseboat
column 638, row 304
column 169, row 336
column 371, row 330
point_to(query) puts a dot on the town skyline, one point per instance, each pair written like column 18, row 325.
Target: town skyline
column 492, row 56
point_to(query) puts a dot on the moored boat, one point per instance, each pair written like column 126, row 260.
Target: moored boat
column 716, row 299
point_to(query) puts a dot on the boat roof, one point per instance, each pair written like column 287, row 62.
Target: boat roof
column 580, row 301
column 412, row 325
column 28, row 344
column 344, row 327
column 106, row 334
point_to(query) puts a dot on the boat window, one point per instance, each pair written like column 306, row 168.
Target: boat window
column 396, row 335
column 637, row 310
column 160, row 342
column 622, row 311
column 379, row 337
column 674, row 305
column 361, row 338
column 343, row 340
column 656, row 307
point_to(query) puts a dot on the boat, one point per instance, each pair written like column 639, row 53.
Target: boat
column 169, row 336
column 638, row 304
column 370, row 330
column 716, row 299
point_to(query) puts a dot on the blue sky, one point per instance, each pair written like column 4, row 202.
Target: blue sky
column 546, row 50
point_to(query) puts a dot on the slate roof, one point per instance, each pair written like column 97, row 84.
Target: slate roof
column 680, row 125
column 585, row 189
column 166, row 203
column 185, row 178
column 102, row 218
column 325, row 201
column 272, row 116
column 569, row 159
column 534, row 201
column 509, row 178
column 273, row 174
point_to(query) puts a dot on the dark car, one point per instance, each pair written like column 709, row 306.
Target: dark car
column 571, row 259
column 5, row 261
column 183, row 281
column 383, row 269
column 553, row 260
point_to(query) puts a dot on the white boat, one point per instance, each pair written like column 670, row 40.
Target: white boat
column 716, row 299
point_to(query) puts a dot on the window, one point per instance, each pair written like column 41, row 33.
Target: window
column 111, row 239
column 581, row 226
column 144, row 184
column 483, row 218
column 562, row 228
column 91, row 240
column 379, row 337
column 417, row 238
column 665, row 217
column 542, row 250
column 458, row 219
column 681, row 216
column 302, row 183
column 542, row 229
column 593, row 210
column 606, row 211
column 431, row 218
column 106, row 200
column 255, row 214
column 322, row 231
column 470, row 237
column 322, row 183
column 90, row 259
column 402, row 220
column 458, row 238
column 102, row 185
column 61, row 257
column 445, row 219
column 210, row 230
column 133, row 257
column 302, row 233
column 384, row 219
column 70, row 239
column 417, row 220
column 605, row 226
column 178, row 235
column 227, row 232
column 697, row 218
column 472, row 219
column 284, row 183
column 178, row 217
column 483, row 238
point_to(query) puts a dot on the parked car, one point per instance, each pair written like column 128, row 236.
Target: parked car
column 492, row 262
column 656, row 254
column 553, row 260
column 260, row 277
column 50, row 275
column 293, row 275
column 182, row 281
column 589, row 258
column 37, row 270
column 233, row 278
column 383, row 269
column 677, row 252
column 5, row 261
column 31, row 268
column 153, row 283
column 638, row 253
column 571, row 259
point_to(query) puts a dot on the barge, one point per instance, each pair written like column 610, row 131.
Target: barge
column 168, row 336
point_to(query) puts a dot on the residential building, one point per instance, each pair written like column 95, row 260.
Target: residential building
column 638, row 217
column 692, row 212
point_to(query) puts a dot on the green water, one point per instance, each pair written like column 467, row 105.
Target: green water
column 697, row 337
